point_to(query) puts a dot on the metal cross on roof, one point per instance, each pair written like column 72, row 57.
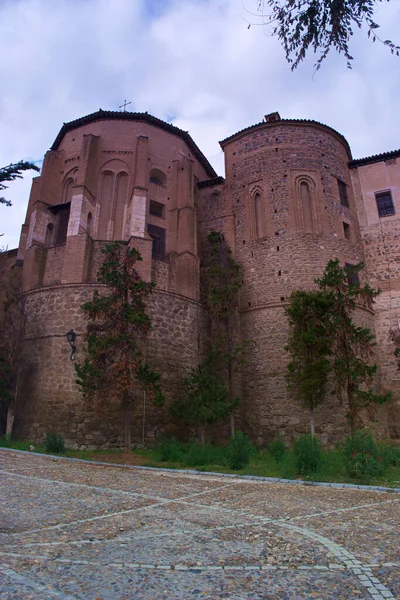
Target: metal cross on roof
column 124, row 105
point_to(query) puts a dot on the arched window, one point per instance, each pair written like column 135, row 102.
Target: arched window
column 89, row 224
column 121, row 194
column 106, row 204
column 67, row 191
column 49, row 235
column 259, row 215
column 157, row 177
column 305, row 197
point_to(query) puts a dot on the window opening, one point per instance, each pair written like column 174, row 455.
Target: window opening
column 158, row 236
column 346, row 231
column 305, row 196
column 156, row 209
column 258, row 209
column 157, row 177
column 352, row 276
column 62, row 218
column 344, row 199
column 384, row 203
column 49, row 235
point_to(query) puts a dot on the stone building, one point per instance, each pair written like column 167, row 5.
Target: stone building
column 292, row 198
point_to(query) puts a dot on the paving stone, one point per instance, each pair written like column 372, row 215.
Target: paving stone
column 73, row 530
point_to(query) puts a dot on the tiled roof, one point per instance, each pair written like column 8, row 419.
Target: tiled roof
column 106, row 115
column 211, row 182
column 369, row 160
column 288, row 122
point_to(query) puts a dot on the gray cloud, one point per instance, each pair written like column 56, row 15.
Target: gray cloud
column 192, row 62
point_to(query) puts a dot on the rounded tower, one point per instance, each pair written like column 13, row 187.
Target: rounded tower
column 108, row 176
column 289, row 186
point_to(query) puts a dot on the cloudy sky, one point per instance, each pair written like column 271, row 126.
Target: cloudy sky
column 194, row 63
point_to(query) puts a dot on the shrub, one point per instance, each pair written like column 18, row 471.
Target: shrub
column 54, row 443
column 362, row 456
column 307, row 451
column 240, row 451
column 277, row 449
column 362, row 465
column 170, row 451
column 389, row 454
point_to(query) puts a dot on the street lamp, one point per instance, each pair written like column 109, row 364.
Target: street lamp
column 71, row 336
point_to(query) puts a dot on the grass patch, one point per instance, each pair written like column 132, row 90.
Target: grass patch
column 176, row 455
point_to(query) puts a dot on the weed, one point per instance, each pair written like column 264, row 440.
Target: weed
column 54, row 443
column 307, row 451
column 240, row 451
column 277, row 449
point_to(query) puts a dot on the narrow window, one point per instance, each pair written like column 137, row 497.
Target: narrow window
column 384, row 202
column 62, row 215
column 89, row 226
column 346, row 231
column 158, row 236
column 67, row 192
column 352, row 275
column 259, row 215
column 50, row 235
column 156, row 209
column 121, row 194
column 344, row 200
column 305, row 196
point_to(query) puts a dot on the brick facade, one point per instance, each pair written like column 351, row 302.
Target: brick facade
column 291, row 200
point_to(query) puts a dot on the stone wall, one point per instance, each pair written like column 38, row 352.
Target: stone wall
column 50, row 397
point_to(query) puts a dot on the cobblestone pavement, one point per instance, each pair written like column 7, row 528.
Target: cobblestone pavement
column 74, row 530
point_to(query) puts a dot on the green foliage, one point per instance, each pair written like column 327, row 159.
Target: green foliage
column 11, row 173
column 362, row 455
column 204, row 399
column 309, row 346
column 117, row 326
column 240, row 451
column 170, row 451
column 389, row 454
column 222, row 279
column 351, row 345
column 277, row 449
column 307, row 450
column 320, row 25
column 6, row 394
column 54, row 443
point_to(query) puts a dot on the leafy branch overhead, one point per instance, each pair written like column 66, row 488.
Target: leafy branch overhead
column 11, row 173
column 320, row 25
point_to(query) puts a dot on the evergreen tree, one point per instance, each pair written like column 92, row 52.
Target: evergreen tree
column 12, row 335
column 309, row 347
column 223, row 278
column 117, row 325
column 351, row 345
column 204, row 399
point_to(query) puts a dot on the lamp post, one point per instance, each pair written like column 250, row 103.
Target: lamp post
column 71, row 336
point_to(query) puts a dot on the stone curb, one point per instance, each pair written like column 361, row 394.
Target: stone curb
column 349, row 486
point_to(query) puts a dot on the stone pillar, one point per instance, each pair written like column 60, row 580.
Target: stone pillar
column 135, row 228
column 184, row 230
column 78, row 246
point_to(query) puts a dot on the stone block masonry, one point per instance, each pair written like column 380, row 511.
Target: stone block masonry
column 292, row 198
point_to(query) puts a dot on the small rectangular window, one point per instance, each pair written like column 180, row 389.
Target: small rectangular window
column 158, row 236
column 61, row 211
column 344, row 199
column 346, row 231
column 384, row 202
column 156, row 209
column 352, row 275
